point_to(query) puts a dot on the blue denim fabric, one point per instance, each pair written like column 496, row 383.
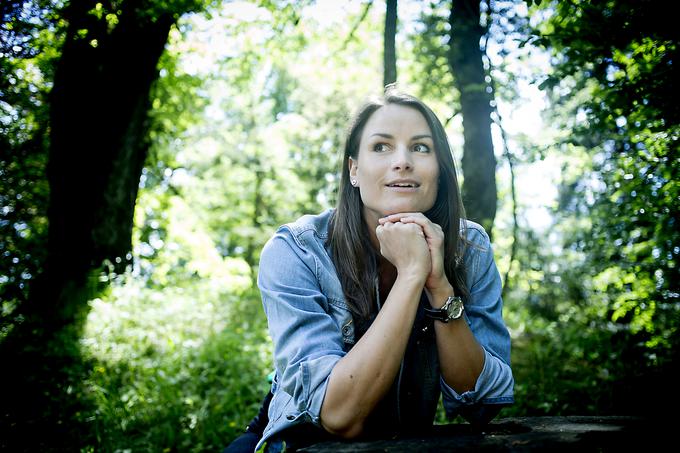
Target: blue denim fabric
column 311, row 325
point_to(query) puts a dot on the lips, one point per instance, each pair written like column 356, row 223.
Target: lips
column 403, row 183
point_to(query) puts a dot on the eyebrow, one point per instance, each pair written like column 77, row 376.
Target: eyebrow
column 415, row 137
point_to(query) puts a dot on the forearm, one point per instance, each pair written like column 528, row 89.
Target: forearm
column 461, row 358
column 363, row 377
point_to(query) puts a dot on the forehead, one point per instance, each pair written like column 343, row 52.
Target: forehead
column 393, row 119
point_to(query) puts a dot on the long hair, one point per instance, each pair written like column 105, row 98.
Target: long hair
column 352, row 252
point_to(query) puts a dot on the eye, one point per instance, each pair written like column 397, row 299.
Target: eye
column 380, row 147
column 421, row 148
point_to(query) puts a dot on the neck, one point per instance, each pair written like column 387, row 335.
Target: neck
column 387, row 274
column 371, row 224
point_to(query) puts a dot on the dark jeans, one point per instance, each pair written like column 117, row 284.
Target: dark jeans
column 247, row 441
column 291, row 439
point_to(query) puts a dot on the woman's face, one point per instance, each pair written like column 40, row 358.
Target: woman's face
column 396, row 169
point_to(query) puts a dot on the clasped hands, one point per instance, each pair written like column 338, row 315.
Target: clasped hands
column 415, row 246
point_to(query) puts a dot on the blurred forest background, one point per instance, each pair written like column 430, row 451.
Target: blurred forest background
column 148, row 149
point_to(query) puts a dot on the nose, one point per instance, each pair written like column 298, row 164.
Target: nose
column 403, row 160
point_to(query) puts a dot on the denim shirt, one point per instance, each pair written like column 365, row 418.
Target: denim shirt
column 312, row 327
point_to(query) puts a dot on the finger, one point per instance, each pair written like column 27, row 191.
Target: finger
column 411, row 228
column 432, row 230
column 398, row 216
column 384, row 225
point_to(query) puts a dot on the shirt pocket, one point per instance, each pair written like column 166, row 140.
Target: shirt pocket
column 337, row 304
column 343, row 319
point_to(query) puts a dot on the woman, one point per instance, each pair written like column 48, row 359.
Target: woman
column 379, row 306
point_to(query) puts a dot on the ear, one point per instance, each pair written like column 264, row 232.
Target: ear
column 353, row 167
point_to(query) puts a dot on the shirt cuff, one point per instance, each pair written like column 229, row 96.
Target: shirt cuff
column 314, row 376
column 494, row 386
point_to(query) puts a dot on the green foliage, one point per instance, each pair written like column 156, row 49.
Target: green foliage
column 612, row 293
column 178, row 370
column 631, row 129
column 238, row 140
column 246, row 130
column 177, row 353
column 30, row 36
column 429, row 47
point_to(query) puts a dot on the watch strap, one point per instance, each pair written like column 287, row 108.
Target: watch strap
column 442, row 314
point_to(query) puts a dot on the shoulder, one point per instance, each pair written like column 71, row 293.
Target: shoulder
column 475, row 249
column 473, row 234
column 318, row 224
column 306, row 234
column 476, row 252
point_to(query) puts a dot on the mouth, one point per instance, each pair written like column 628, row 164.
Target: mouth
column 403, row 184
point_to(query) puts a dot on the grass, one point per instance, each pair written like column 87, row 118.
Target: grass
column 182, row 369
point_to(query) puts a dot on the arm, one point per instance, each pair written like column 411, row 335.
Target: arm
column 363, row 377
column 461, row 357
column 328, row 387
column 307, row 339
column 474, row 351
column 484, row 315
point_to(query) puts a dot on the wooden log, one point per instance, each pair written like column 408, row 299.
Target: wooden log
column 519, row 434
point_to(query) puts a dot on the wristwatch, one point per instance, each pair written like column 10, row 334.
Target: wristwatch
column 452, row 309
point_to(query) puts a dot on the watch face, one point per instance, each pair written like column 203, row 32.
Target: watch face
column 455, row 308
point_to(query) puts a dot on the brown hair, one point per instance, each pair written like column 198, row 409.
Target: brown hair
column 354, row 256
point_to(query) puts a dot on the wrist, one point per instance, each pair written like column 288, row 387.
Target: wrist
column 412, row 278
column 439, row 295
column 450, row 311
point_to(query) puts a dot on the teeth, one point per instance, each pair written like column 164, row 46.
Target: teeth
column 401, row 185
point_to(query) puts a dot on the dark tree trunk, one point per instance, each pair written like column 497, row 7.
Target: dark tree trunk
column 390, row 53
column 479, row 162
column 98, row 145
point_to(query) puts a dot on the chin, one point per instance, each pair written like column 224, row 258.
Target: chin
column 401, row 209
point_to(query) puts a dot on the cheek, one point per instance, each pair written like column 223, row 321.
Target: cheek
column 367, row 171
column 434, row 184
column 432, row 196
column 433, row 175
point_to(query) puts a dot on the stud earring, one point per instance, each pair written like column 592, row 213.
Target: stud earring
column 354, row 182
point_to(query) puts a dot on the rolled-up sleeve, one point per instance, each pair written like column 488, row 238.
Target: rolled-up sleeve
column 483, row 313
column 307, row 340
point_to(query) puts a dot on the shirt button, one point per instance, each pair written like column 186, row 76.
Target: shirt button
column 290, row 417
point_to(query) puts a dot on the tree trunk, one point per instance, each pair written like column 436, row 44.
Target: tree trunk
column 479, row 161
column 98, row 145
column 390, row 53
